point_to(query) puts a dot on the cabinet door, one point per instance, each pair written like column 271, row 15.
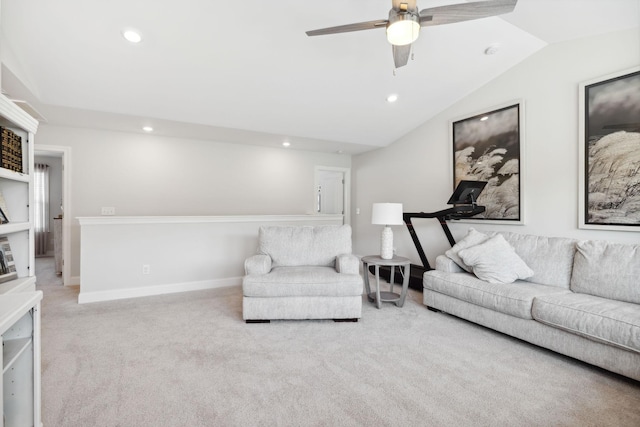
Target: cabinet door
column 18, row 373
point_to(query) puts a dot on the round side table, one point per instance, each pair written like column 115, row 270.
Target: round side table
column 403, row 264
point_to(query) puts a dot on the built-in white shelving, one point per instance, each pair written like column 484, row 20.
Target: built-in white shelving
column 19, row 301
column 16, row 189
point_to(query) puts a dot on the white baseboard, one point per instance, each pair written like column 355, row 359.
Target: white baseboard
column 99, row 296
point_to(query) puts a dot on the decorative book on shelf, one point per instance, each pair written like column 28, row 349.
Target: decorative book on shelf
column 11, row 150
column 7, row 265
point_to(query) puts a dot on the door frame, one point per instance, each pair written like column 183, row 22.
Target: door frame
column 346, row 193
column 65, row 153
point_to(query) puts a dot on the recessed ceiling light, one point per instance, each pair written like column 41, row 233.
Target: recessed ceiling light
column 132, row 36
column 482, row 119
column 286, row 144
column 392, row 98
column 147, row 129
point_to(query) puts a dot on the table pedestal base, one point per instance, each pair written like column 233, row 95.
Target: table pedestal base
column 378, row 296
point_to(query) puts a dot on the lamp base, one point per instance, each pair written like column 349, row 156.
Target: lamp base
column 386, row 243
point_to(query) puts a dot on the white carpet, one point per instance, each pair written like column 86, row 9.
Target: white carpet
column 189, row 360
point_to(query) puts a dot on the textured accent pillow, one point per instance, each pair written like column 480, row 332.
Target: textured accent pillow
column 472, row 238
column 495, row 261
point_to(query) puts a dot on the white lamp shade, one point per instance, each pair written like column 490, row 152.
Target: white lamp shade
column 387, row 214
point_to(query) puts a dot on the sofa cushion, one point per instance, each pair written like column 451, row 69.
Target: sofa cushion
column 550, row 258
column 513, row 299
column 608, row 270
column 304, row 245
column 495, row 261
column 600, row 319
column 302, row 281
column 472, row 238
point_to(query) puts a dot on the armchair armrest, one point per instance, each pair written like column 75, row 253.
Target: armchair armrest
column 257, row 264
column 348, row 264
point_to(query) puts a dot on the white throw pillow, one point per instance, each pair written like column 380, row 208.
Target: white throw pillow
column 495, row 261
column 472, row 238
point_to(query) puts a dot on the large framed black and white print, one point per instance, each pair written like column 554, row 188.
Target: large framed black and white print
column 488, row 147
column 609, row 156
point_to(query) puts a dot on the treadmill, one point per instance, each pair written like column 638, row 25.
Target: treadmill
column 464, row 204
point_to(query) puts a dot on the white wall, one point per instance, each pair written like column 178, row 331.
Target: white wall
column 146, row 175
column 417, row 171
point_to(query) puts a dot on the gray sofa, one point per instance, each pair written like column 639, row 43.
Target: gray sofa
column 302, row 272
column 578, row 298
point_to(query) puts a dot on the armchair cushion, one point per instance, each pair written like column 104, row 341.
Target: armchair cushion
column 302, row 281
column 306, row 245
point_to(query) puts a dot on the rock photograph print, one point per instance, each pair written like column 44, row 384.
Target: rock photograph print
column 486, row 147
column 612, row 144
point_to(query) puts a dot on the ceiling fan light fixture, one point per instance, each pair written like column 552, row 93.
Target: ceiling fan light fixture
column 403, row 27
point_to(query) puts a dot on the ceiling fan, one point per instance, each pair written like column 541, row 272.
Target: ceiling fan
column 403, row 25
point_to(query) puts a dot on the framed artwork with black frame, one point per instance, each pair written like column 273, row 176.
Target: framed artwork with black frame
column 7, row 265
column 488, row 146
column 609, row 152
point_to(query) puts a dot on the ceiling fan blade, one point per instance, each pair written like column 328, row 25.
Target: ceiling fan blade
column 465, row 12
column 369, row 25
column 401, row 55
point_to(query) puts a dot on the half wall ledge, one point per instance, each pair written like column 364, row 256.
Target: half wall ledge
column 134, row 256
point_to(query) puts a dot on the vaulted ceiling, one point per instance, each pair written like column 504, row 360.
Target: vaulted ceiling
column 246, row 72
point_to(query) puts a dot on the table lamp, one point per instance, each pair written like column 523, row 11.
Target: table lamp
column 386, row 214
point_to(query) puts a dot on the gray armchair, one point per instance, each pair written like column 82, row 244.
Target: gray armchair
column 302, row 272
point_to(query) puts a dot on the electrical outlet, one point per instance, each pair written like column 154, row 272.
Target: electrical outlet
column 146, row 269
column 108, row 211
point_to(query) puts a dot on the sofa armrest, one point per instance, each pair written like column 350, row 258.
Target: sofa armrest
column 257, row 264
column 446, row 264
column 348, row 264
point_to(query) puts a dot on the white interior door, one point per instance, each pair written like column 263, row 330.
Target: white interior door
column 330, row 192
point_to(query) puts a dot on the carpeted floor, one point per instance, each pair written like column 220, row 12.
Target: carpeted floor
column 189, row 360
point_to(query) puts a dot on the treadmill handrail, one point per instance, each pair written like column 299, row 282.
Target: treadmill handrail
column 456, row 212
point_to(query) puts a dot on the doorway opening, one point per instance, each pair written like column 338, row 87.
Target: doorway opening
column 51, row 262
